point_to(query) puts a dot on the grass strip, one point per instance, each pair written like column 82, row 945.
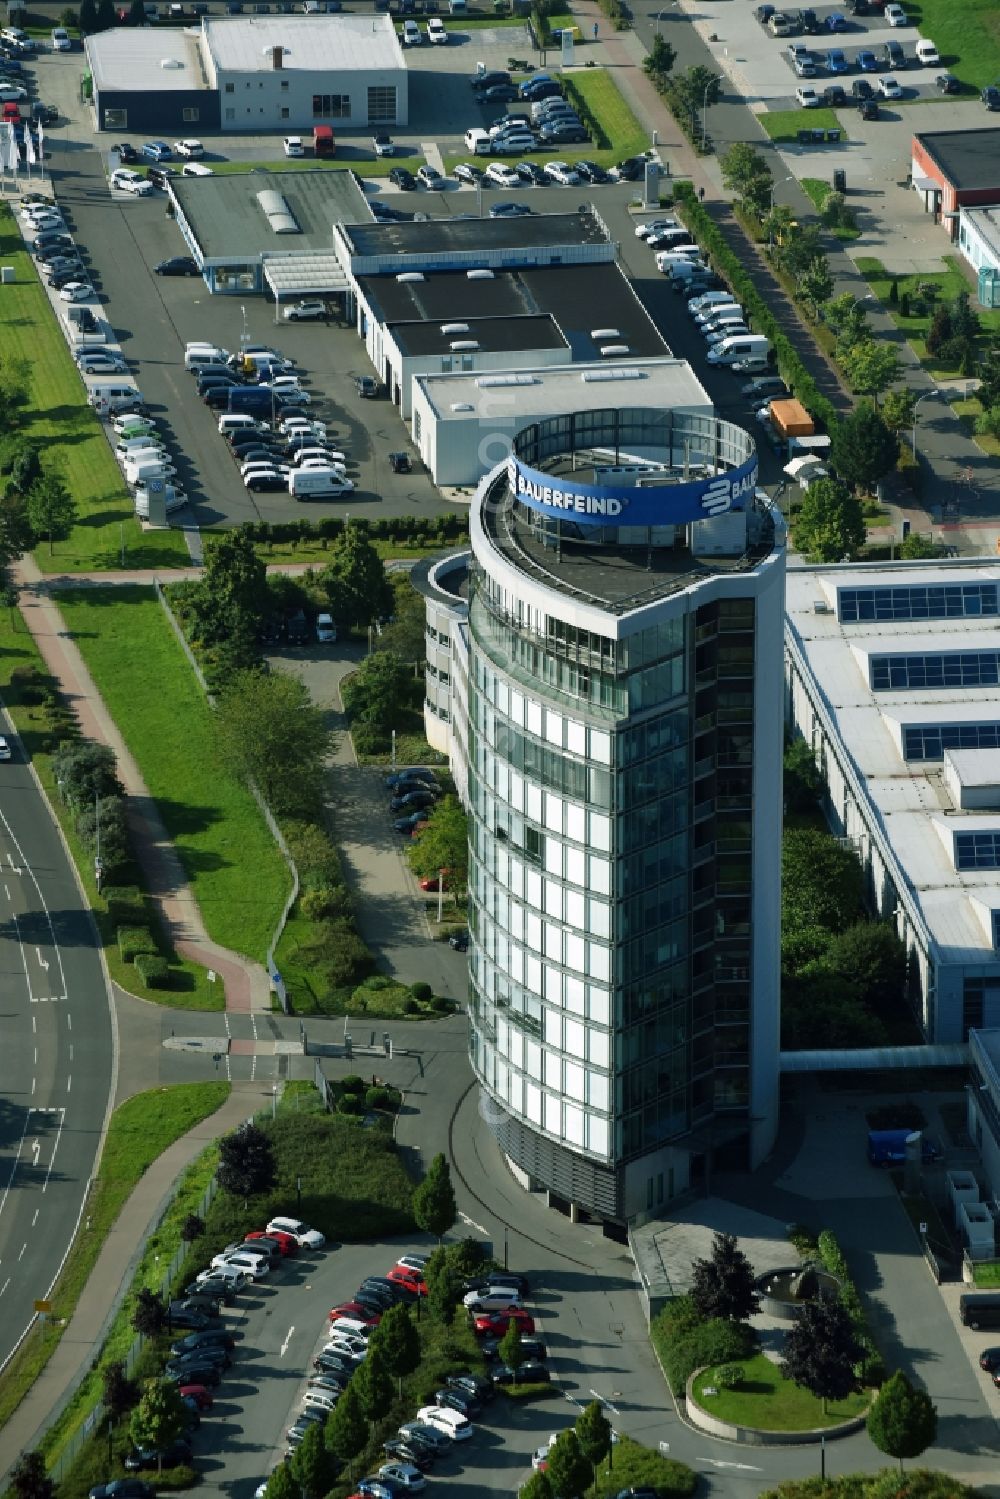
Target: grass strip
column 783, row 125
column 141, row 1129
column 236, row 870
column 188, row 987
column 59, row 422
column 817, row 191
column 605, row 104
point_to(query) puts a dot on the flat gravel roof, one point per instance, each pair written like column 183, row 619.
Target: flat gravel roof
column 968, row 158
column 229, row 224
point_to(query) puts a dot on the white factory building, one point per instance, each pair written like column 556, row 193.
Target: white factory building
column 893, row 678
column 255, row 73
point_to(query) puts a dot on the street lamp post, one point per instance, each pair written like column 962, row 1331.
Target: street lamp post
column 660, row 14
column 913, row 430
column 274, row 1100
column 704, row 109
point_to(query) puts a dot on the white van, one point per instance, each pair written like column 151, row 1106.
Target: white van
column 710, row 299
column 106, row 398
column 147, row 442
column 673, row 260
column 238, row 421
column 317, row 484
column 206, row 354
column 478, row 141
column 175, row 499
column 196, row 169
column 739, row 346
column 411, row 34
column 146, row 468
column 326, row 630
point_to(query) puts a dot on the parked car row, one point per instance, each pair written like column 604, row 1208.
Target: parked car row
column 806, row 63
column 140, row 449
column 412, row 793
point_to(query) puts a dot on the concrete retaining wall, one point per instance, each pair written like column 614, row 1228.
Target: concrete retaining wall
column 753, row 1436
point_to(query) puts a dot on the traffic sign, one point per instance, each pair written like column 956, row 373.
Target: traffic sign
column 43, row 1306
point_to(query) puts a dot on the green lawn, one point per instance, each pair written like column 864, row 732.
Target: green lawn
column 948, row 283
column 317, row 549
column 362, row 160
column 606, row 102
column 783, row 125
column 239, row 877
column 967, row 411
column 141, row 1129
column 818, row 191
column 59, row 420
column 188, row 987
column 767, row 1400
column 967, row 35
column 987, row 1277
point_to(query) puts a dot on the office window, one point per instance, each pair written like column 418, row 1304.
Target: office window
column 381, row 104
column 284, row 114
column 918, row 601
column 284, row 85
column 116, row 119
column 191, row 115
column 331, row 106
column 230, row 114
column 929, row 741
column 978, row 851
column 947, row 669
column 230, row 88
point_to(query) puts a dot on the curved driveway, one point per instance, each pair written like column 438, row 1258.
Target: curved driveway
column 59, row 1053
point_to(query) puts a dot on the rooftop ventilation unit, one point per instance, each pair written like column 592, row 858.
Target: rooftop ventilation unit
column 479, row 276
column 615, row 351
column 277, row 212
column 171, row 62
column 462, row 406
column 410, row 276
column 485, row 381
column 598, row 334
column 820, row 606
column 454, row 327
column 593, row 376
column 463, row 345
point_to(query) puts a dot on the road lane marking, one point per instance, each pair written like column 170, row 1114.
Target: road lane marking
column 38, row 891
column 5, row 1285
column 15, row 867
column 69, row 1084
column 717, row 1462
column 606, row 1403
column 6, row 891
column 33, row 1082
column 62, row 1121
column 44, row 961
column 35, row 1218
column 69, row 1021
column 71, row 1053
column 17, row 1157
column 36, row 1150
column 288, row 1339
column 473, row 1224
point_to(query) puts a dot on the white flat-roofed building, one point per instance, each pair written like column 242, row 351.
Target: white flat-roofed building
column 893, row 678
column 463, row 423
column 294, row 72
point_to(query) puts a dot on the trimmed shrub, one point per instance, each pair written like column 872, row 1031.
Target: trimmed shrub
column 133, row 940
column 410, row 1006
column 441, row 1004
column 350, row 1104
column 729, row 1376
column 29, row 684
column 126, row 906
column 421, row 992
column 381, row 1098
column 152, row 969
column 352, row 1083
column 685, row 1347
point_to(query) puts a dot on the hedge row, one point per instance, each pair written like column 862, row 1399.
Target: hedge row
column 871, row 1370
column 597, row 132
column 685, row 1342
column 729, row 266
column 406, row 528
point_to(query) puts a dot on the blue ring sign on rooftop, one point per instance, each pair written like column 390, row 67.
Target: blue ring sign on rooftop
column 631, row 505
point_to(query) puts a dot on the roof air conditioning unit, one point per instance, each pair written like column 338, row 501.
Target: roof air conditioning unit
column 614, row 351
column 479, row 275
column 463, row 345
column 410, row 276
column 462, row 406
column 454, row 327
column 820, row 606
column 170, row 62
column 601, row 333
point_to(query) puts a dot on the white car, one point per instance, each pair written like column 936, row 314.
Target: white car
column 491, row 1299
column 300, row 312
column 76, row 291
column 807, row 98
column 896, row 15
column 347, row 1346
column 46, row 221
column 499, row 174
column 197, row 169
column 262, row 466
column 12, row 93
column 889, row 87
column 61, row 40
column 254, row 1266
column 294, row 146
column 714, row 310
column 126, row 181
column 323, row 457
column 382, row 145
column 323, row 1400
column 436, row 31
column 731, row 330
column 653, row 227
column 38, row 213
column 287, row 385
column 298, row 426
column 927, row 54
column 418, row 1262
column 562, row 173
column 409, row 1478
column 191, row 149
column 4, row 748
column 454, row 1425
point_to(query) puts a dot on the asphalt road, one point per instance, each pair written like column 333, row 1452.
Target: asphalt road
column 58, row 1060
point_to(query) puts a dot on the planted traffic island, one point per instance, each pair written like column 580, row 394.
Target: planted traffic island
column 753, row 1402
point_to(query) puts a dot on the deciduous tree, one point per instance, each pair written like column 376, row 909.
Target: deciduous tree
column 536, row 1487
column 593, row 1432
column 149, row 1315
column 871, row 366
column 821, row 882
column 746, row 173
column 397, row 1337
column 862, row 447
column 509, row 1350
column 848, row 319
column 870, row 954
column 192, row 1228
column 898, row 408
column 830, row 524
column 85, row 770
column 159, row 1418
column 659, row 60
column 444, row 843
column 118, row 1393
column 902, row 1421
column 51, row 509
column 722, row 1285
column 377, row 690
column 815, row 284
column 802, row 783
column 434, row 1206
column 29, row 1478
column 232, row 598
column 246, row 1163
column 269, row 731
column 444, row 1287
column 282, row 1485
column 568, row 1472
column 355, row 580
column 821, row 1351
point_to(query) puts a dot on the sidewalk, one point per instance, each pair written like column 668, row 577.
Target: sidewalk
column 112, row 1275
column 246, row 983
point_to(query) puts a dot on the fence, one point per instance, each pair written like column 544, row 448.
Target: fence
column 92, row 1422
column 266, row 812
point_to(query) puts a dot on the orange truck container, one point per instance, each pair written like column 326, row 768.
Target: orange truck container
column 792, row 419
column 324, row 143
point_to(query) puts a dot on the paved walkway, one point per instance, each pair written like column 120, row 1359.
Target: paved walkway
column 111, row 1276
column 246, row 982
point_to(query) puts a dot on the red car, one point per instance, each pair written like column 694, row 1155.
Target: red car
column 198, row 1393
column 495, row 1323
column 434, row 882
column 355, row 1310
column 410, row 1278
column 285, row 1242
